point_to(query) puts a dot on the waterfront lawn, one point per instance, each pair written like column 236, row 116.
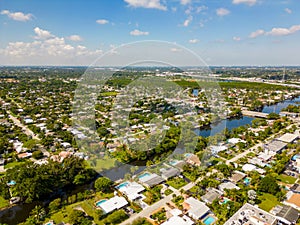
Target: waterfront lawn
column 102, row 164
column 268, row 201
column 3, row 203
column 176, row 182
column 286, row 179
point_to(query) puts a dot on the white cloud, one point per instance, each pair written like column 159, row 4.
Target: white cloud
column 236, row 38
column 42, row 34
column 102, row 21
column 187, row 22
column 287, row 10
column 257, row 33
column 150, row 4
column 18, row 16
column 75, row 37
column 222, row 12
column 247, row 2
column 185, row 2
column 47, row 48
column 279, row 31
column 137, row 32
column 193, row 41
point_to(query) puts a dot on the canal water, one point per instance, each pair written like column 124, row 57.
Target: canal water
column 19, row 213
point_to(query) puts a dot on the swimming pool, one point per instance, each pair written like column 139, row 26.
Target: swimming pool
column 173, row 162
column 144, row 175
column 209, row 220
column 100, row 202
column 125, row 184
column 12, row 182
column 224, row 201
column 247, row 181
column 188, row 155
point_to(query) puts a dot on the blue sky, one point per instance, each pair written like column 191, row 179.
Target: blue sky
column 227, row 32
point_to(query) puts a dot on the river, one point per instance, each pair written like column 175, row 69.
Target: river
column 19, row 213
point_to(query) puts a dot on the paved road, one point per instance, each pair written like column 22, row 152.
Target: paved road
column 27, row 131
column 147, row 211
column 237, row 157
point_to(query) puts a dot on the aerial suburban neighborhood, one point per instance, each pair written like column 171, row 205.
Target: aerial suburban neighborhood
column 243, row 172
column 149, row 112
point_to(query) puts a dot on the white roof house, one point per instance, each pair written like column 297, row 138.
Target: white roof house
column 288, row 138
column 248, row 167
column 197, row 210
column 228, row 185
column 113, row 204
column 131, row 189
column 235, row 141
column 179, row 221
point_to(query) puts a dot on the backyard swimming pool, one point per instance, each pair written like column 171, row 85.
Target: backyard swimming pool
column 144, row 175
column 209, row 220
column 98, row 204
column 122, row 185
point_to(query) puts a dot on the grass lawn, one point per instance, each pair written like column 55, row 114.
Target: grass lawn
column 87, row 205
column 268, row 201
column 109, row 93
column 102, row 164
column 286, row 179
column 12, row 164
column 3, row 203
column 177, row 182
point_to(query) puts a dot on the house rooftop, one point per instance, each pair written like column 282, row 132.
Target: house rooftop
column 196, row 209
column 169, row 173
column 275, row 146
column 113, row 204
column 294, row 200
column 211, row 195
column 288, row 137
column 287, row 213
column 178, row 221
column 251, row 215
column 131, row 189
column 237, row 176
column 228, row 185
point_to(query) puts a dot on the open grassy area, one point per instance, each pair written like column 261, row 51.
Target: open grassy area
column 3, row 203
column 109, row 93
column 268, row 201
column 102, row 164
column 87, row 205
column 286, row 179
column 12, row 164
column 177, row 182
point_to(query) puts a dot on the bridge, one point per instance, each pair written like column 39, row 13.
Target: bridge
column 254, row 114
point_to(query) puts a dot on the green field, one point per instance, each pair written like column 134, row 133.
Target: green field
column 268, row 201
column 3, row 203
column 102, row 164
column 12, row 164
column 286, row 179
column 177, row 182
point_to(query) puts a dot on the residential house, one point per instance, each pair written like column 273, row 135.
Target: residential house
column 287, row 215
column 251, row 215
column 169, row 173
column 195, row 208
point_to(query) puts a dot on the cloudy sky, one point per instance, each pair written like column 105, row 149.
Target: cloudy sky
column 227, row 32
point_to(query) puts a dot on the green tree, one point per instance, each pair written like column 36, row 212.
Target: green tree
column 103, row 184
column 55, row 204
column 37, row 154
column 269, row 185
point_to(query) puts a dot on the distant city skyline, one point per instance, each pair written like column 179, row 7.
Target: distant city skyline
column 222, row 33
